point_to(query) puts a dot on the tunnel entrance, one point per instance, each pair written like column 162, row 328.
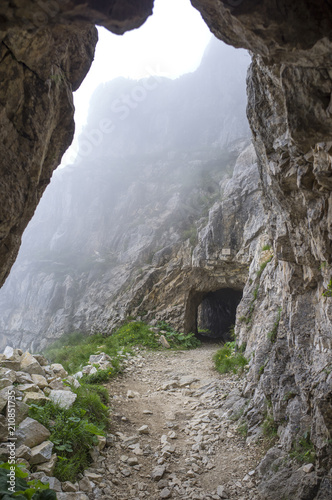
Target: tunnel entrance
column 216, row 314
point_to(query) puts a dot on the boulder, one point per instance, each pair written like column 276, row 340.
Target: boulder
column 41, row 453
column 29, row 364
column 41, row 359
column 10, row 364
column 23, row 451
column 39, row 380
column 23, row 378
column 28, row 388
column 7, row 373
column 59, row 370
column 31, row 433
column 53, row 483
column 49, row 466
column 21, row 411
column 64, row 399
column 4, row 396
column 56, row 384
column 69, row 487
column 5, row 382
column 85, row 485
column 37, row 398
column 9, row 353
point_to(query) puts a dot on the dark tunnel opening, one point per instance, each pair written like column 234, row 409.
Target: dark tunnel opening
column 216, row 315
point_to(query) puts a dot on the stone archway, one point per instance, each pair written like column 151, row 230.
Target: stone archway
column 216, row 314
column 212, row 310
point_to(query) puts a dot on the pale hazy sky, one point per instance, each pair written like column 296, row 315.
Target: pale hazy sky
column 170, row 43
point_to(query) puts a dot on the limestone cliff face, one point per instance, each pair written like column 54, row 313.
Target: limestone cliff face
column 284, row 317
column 112, row 227
column 46, row 50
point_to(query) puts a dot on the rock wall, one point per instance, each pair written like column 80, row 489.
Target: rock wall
column 46, row 51
column 284, row 318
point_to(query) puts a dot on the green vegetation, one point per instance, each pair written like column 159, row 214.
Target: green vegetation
column 74, row 431
column 328, row 291
column 178, row 340
column 263, row 266
column 243, row 429
column 73, row 351
column 23, row 490
column 303, row 450
column 270, row 428
column 261, row 370
column 289, row 395
column 272, row 335
column 266, row 247
column 229, row 359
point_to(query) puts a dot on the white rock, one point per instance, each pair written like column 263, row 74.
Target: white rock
column 307, row 468
column 158, row 472
column 64, row 399
column 143, row 430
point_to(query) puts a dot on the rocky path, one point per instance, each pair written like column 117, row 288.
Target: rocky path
column 172, row 435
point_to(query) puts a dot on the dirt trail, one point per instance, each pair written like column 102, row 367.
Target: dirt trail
column 172, row 435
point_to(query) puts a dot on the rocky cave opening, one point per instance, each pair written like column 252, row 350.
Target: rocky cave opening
column 213, row 313
column 216, row 315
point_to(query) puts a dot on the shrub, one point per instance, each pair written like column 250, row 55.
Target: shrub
column 31, row 490
column 74, row 430
column 177, row 339
column 99, row 377
column 227, row 359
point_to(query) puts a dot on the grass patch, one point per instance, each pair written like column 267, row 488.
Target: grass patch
column 263, row 266
column 243, row 430
column 74, row 430
column 178, row 340
column 303, row 450
column 73, row 350
column 227, row 359
column 266, row 247
column 328, row 291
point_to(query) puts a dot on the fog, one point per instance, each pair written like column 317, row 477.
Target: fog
column 152, row 160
